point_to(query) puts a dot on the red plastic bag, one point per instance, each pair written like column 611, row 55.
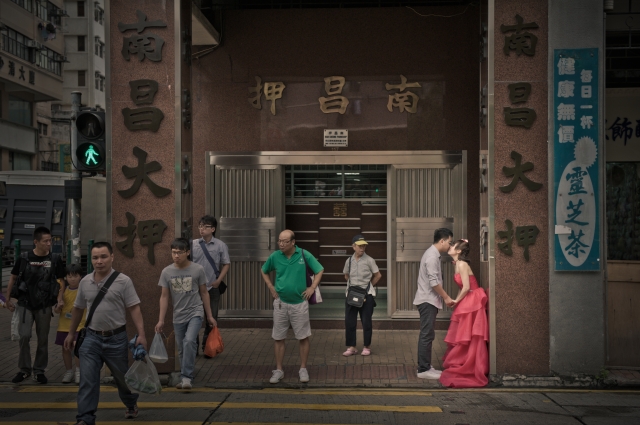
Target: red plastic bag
column 214, row 344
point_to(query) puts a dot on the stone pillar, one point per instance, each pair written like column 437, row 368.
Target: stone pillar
column 577, row 298
column 520, row 290
column 146, row 144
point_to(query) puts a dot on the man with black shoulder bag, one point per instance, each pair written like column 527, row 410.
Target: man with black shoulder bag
column 107, row 294
column 362, row 275
column 212, row 254
column 34, row 283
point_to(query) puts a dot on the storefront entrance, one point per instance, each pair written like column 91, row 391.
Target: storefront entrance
column 395, row 199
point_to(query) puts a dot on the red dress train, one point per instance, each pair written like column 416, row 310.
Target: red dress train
column 466, row 361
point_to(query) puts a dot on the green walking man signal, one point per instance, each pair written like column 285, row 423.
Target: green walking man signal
column 90, row 129
column 91, row 154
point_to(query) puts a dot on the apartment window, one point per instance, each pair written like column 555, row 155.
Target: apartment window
column 49, row 60
column 102, row 83
column 16, row 44
column 26, row 4
column 48, row 11
column 43, row 129
column 81, row 43
column 97, row 80
column 99, row 47
column 80, row 8
column 82, row 78
column 20, row 111
column 98, row 13
column 49, row 166
column 19, row 161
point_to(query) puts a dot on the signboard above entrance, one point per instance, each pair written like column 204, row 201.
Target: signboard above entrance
column 336, row 138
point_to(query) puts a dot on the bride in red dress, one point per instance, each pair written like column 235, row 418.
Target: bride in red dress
column 466, row 361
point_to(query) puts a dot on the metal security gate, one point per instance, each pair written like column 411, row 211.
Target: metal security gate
column 245, row 191
column 422, row 200
column 249, row 205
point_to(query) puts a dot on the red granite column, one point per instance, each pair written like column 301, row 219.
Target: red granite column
column 143, row 214
column 521, row 287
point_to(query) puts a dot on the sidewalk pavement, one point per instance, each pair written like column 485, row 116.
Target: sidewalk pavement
column 248, row 359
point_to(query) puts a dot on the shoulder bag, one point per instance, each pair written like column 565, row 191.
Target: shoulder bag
column 223, row 286
column 316, row 297
column 355, row 294
column 99, row 297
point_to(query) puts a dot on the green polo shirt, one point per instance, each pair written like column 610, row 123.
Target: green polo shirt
column 291, row 277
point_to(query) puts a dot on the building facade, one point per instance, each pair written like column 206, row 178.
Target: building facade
column 31, row 64
column 484, row 117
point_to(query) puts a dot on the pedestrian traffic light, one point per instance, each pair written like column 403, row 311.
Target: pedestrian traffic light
column 91, row 150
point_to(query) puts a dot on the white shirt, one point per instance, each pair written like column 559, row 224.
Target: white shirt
column 430, row 275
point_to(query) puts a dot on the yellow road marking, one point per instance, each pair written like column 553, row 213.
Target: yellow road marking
column 336, row 391
column 302, row 406
column 363, row 392
column 158, row 423
column 212, row 405
column 113, row 405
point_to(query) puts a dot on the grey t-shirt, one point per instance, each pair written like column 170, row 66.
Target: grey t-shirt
column 184, row 285
column 111, row 312
column 219, row 254
column 361, row 272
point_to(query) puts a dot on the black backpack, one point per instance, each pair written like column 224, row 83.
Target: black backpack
column 40, row 289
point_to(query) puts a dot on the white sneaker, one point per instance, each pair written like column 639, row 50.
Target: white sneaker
column 67, row 378
column 304, row 375
column 430, row 374
column 277, row 376
column 186, row 384
column 77, row 375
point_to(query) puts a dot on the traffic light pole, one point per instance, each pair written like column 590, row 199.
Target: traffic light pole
column 75, row 175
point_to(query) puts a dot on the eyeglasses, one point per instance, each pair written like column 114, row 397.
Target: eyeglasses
column 283, row 241
column 204, row 226
column 178, row 252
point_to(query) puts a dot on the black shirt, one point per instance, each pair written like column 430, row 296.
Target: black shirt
column 39, row 261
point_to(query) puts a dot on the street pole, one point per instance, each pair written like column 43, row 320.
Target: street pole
column 75, row 175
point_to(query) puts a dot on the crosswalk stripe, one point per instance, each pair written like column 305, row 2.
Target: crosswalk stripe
column 137, row 421
column 346, row 391
column 364, row 407
column 228, row 405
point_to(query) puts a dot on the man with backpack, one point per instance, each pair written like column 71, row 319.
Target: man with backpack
column 34, row 283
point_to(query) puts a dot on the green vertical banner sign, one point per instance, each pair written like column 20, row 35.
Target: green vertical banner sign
column 576, row 161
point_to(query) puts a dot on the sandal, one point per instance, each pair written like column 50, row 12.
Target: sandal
column 350, row 352
column 366, row 351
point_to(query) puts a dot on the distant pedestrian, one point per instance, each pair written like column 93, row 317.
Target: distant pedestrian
column 362, row 275
column 290, row 293
column 216, row 264
column 429, row 298
column 34, row 283
column 185, row 282
column 66, row 299
column 106, row 338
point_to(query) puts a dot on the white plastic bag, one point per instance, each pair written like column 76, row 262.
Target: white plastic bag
column 157, row 352
column 142, row 377
column 15, row 322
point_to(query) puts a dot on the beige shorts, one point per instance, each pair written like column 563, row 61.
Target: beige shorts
column 296, row 315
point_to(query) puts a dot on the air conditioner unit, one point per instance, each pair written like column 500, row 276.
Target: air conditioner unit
column 31, row 43
column 39, row 46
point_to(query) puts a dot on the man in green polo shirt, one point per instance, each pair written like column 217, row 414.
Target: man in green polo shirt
column 290, row 305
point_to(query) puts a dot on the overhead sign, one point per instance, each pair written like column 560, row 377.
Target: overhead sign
column 336, row 138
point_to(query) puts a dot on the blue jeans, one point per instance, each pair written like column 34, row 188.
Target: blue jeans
column 95, row 351
column 186, row 341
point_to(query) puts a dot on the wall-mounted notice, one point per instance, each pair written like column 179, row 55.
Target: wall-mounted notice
column 576, row 162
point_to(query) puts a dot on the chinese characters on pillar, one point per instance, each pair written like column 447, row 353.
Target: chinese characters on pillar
column 576, row 162
column 143, row 117
column 517, row 39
